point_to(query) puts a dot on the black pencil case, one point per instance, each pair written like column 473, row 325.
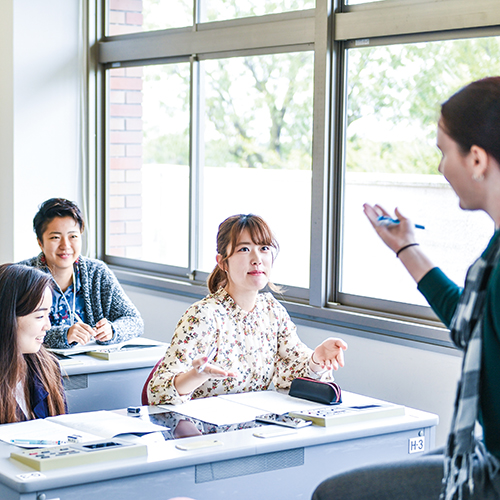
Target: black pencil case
column 327, row 393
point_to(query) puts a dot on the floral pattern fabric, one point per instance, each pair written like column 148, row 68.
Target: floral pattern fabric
column 262, row 347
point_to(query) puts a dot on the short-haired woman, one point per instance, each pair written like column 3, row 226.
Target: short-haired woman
column 88, row 300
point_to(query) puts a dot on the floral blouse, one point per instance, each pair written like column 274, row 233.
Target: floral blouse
column 261, row 347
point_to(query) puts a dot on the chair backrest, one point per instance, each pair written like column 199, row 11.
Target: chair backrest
column 144, row 397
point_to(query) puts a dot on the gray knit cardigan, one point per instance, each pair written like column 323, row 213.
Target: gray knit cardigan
column 104, row 298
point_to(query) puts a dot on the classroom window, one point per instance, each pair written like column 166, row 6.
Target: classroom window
column 393, row 99
column 252, row 155
column 299, row 111
column 219, row 10
column 148, row 163
column 133, row 16
column 257, row 120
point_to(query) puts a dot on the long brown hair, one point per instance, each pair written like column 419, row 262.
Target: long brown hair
column 21, row 291
column 227, row 238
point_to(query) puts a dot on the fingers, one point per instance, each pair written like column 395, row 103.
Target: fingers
column 217, row 372
column 80, row 333
column 341, row 344
column 101, row 322
column 199, row 362
column 371, row 214
column 340, row 360
column 103, row 330
column 201, row 365
column 330, row 354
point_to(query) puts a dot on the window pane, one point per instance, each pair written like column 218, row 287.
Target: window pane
column 219, row 10
column 393, row 100
column 258, row 136
column 357, row 2
column 148, row 163
column 132, row 16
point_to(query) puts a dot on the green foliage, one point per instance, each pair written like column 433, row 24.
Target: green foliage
column 261, row 111
column 166, row 116
column 172, row 149
column 258, row 112
column 216, row 10
column 404, row 86
column 399, row 157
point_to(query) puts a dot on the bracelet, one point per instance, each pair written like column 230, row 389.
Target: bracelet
column 312, row 359
column 405, row 247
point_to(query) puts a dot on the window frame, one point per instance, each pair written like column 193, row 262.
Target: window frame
column 330, row 29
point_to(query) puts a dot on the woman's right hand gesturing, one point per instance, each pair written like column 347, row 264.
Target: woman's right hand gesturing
column 395, row 236
column 400, row 238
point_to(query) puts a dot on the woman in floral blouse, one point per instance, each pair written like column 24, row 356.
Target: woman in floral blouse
column 237, row 339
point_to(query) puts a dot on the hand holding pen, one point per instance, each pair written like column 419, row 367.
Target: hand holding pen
column 80, row 332
column 209, row 369
column 202, row 371
column 210, row 356
column 399, row 236
column 103, row 330
column 396, row 232
column 383, row 220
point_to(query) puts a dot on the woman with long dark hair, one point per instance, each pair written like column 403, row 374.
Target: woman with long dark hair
column 468, row 136
column 30, row 379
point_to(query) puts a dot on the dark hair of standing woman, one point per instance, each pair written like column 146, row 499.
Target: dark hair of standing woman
column 56, row 207
column 227, row 238
column 472, row 116
column 21, row 292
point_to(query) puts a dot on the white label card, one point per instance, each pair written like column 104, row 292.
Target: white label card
column 416, row 444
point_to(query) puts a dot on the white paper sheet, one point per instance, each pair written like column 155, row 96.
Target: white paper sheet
column 271, row 401
column 237, row 408
column 216, row 410
column 106, row 424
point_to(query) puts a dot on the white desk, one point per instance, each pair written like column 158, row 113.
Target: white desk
column 96, row 384
column 244, row 467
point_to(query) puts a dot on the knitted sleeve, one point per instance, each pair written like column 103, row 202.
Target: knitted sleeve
column 105, row 298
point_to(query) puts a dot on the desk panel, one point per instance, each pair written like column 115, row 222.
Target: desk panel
column 93, row 384
column 106, row 390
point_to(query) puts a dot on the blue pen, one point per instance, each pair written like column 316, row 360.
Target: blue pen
column 383, row 220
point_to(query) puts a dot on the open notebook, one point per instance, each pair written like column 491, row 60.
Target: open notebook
column 87, row 427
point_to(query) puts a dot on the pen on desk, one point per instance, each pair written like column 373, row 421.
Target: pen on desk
column 210, row 356
column 387, row 221
column 37, row 441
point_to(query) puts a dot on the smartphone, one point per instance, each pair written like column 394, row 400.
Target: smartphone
column 285, row 420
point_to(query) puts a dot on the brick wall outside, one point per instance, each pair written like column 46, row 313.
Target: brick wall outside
column 124, row 227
